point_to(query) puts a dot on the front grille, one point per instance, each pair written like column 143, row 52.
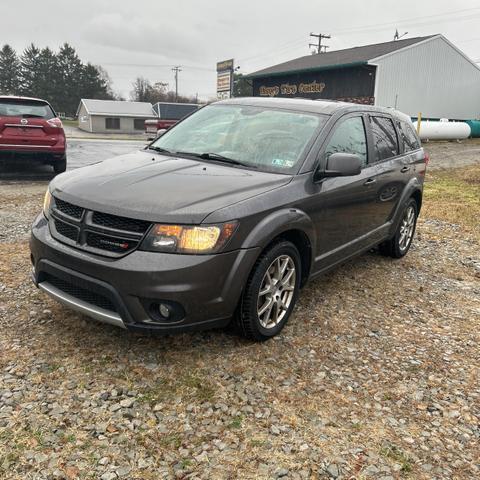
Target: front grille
column 68, row 209
column 111, row 244
column 95, row 231
column 67, row 230
column 80, row 293
column 120, row 223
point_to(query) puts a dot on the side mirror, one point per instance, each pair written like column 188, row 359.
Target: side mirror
column 342, row 165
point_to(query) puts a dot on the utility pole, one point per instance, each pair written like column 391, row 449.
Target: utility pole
column 320, row 48
column 176, row 69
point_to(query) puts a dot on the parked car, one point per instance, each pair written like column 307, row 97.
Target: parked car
column 30, row 129
column 229, row 214
column 168, row 115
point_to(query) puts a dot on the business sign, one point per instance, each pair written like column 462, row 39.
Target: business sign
column 291, row 89
column 224, row 79
column 225, row 65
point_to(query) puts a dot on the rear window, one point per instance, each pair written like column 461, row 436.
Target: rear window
column 384, row 138
column 175, row 111
column 409, row 137
column 25, row 109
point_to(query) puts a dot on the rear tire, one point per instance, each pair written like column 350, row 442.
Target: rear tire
column 399, row 245
column 270, row 293
column 60, row 166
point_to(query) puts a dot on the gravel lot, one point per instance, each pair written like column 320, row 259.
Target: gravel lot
column 377, row 375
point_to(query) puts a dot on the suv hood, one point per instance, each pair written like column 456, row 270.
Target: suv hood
column 158, row 188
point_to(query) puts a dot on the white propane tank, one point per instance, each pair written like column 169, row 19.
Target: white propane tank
column 443, row 130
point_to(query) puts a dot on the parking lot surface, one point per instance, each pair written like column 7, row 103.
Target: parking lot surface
column 376, row 375
column 81, row 152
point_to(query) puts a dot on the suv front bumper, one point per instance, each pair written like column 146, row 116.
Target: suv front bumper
column 202, row 289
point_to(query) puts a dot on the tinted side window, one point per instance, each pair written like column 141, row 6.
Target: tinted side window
column 409, row 137
column 384, row 138
column 349, row 137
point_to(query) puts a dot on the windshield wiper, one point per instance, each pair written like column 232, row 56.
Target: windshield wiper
column 159, row 149
column 216, row 157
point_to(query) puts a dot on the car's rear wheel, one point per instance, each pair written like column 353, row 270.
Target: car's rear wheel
column 271, row 292
column 59, row 166
column 400, row 243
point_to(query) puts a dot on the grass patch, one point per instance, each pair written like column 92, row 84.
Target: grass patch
column 70, row 123
column 202, row 388
column 236, row 422
column 453, row 195
column 399, row 456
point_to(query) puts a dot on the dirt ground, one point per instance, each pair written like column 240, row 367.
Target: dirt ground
column 376, row 376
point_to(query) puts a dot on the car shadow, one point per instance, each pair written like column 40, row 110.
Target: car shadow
column 17, row 170
column 90, row 336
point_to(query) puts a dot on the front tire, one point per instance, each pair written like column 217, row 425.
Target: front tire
column 399, row 244
column 271, row 292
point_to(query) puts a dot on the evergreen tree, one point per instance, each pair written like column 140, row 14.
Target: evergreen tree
column 69, row 79
column 9, row 71
column 94, row 83
column 46, row 85
column 29, row 68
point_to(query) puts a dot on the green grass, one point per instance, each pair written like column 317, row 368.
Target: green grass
column 70, row 123
column 453, row 195
column 398, row 456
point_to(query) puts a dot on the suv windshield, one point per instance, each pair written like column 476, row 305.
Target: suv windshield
column 257, row 137
column 25, row 109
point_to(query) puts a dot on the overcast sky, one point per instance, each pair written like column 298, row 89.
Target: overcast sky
column 147, row 37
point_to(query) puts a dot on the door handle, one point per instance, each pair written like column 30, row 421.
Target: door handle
column 405, row 169
column 370, row 181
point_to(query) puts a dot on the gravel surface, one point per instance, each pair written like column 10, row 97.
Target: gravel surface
column 375, row 377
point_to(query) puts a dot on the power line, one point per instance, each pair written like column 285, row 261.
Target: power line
column 376, row 26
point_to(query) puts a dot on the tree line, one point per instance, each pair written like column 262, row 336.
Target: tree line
column 60, row 77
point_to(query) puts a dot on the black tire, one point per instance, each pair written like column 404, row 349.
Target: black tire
column 392, row 247
column 247, row 317
column 59, row 166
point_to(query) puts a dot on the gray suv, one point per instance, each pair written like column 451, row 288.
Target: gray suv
column 228, row 214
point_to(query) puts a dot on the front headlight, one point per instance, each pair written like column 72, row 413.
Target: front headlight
column 188, row 238
column 47, row 201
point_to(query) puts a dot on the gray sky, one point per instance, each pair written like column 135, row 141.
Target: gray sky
column 147, row 37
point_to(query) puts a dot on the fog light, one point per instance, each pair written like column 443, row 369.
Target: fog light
column 164, row 310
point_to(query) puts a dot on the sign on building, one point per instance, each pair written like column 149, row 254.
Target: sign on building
column 224, row 79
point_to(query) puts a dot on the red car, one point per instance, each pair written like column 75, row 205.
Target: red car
column 30, row 129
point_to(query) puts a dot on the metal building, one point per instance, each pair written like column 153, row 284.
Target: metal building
column 423, row 74
column 111, row 116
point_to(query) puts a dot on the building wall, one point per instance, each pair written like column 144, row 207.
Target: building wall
column 355, row 84
column 83, row 119
column 432, row 78
column 126, row 124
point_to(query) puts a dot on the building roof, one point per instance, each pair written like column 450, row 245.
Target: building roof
column 338, row 58
column 117, row 108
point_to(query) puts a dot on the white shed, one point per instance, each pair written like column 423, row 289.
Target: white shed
column 111, row 116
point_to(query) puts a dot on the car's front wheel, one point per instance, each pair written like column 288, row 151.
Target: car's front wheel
column 271, row 292
column 400, row 243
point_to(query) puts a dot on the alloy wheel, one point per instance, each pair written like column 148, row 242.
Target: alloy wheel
column 407, row 228
column 276, row 291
